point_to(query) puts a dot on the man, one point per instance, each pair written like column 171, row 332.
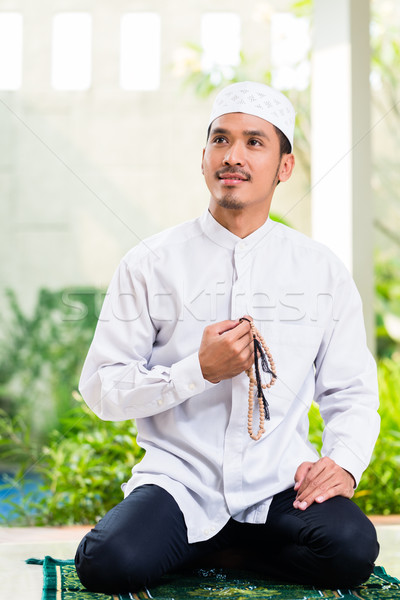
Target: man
column 171, row 350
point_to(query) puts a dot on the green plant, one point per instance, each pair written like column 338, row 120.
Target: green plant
column 81, row 471
column 45, row 427
column 82, row 460
column 41, row 355
column 316, row 426
column 387, row 304
column 379, row 488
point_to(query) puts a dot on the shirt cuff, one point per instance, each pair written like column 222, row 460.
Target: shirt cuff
column 187, row 377
column 349, row 462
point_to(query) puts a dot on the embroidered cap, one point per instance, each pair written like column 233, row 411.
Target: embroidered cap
column 259, row 100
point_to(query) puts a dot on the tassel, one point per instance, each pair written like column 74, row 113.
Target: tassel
column 266, row 408
column 260, row 394
column 34, row 561
column 264, row 360
column 261, row 351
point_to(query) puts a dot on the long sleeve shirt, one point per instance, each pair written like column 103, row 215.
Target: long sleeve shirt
column 143, row 364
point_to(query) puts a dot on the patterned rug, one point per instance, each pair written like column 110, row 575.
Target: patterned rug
column 61, row 583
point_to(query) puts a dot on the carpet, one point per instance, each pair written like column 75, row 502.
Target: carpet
column 61, row 583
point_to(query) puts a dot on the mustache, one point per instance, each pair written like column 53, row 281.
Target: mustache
column 233, row 171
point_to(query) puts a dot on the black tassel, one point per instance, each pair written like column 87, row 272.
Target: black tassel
column 266, row 408
column 260, row 394
column 264, row 361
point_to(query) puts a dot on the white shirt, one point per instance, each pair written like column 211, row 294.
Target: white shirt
column 143, row 364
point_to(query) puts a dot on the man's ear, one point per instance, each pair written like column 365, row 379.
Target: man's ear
column 287, row 166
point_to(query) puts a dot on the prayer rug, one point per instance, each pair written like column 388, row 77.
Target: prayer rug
column 61, row 583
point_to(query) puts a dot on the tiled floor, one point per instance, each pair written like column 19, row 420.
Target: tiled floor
column 19, row 581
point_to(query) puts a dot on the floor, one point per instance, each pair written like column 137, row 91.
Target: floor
column 19, row 581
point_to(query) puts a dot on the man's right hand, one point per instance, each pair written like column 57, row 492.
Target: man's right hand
column 226, row 350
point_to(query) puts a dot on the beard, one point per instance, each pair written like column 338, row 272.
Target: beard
column 231, row 202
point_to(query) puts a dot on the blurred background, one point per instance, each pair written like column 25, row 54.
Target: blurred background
column 103, row 114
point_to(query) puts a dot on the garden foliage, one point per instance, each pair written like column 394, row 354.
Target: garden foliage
column 82, row 461
column 46, row 428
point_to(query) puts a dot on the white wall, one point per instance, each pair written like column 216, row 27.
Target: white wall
column 84, row 175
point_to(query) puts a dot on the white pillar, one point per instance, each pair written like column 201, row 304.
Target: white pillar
column 341, row 162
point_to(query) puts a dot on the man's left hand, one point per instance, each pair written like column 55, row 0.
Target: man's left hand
column 320, row 480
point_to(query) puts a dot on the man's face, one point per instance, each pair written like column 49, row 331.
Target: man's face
column 241, row 161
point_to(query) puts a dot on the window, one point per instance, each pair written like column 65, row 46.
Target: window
column 290, row 44
column 72, row 50
column 10, row 50
column 220, row 40
column 140, row 51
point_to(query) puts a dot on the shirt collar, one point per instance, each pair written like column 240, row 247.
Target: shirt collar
column 225, row 238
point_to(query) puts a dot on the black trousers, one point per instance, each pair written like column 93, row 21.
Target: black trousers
column 330, row 545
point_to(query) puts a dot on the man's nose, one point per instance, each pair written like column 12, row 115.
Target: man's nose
column 234, row 154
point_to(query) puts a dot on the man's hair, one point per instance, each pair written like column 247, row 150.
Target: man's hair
column 284, row 144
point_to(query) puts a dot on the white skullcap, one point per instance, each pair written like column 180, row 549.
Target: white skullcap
column 259, row 100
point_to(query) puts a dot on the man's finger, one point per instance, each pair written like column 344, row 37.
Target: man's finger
column 320, row 486
column 236, row 331
column 223, row 326
column 311, row 485
column 315, row 490
column 310, row 478
column 336, row 489
column 316, row 480
column 301, row 473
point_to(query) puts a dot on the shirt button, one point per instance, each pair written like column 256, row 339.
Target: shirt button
column 213, row 529
column 241, row 245
column 191, row 386
column 206, row 532
column 160, row 401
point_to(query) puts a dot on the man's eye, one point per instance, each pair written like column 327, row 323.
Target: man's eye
column 254, row 143
column 219, row 140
